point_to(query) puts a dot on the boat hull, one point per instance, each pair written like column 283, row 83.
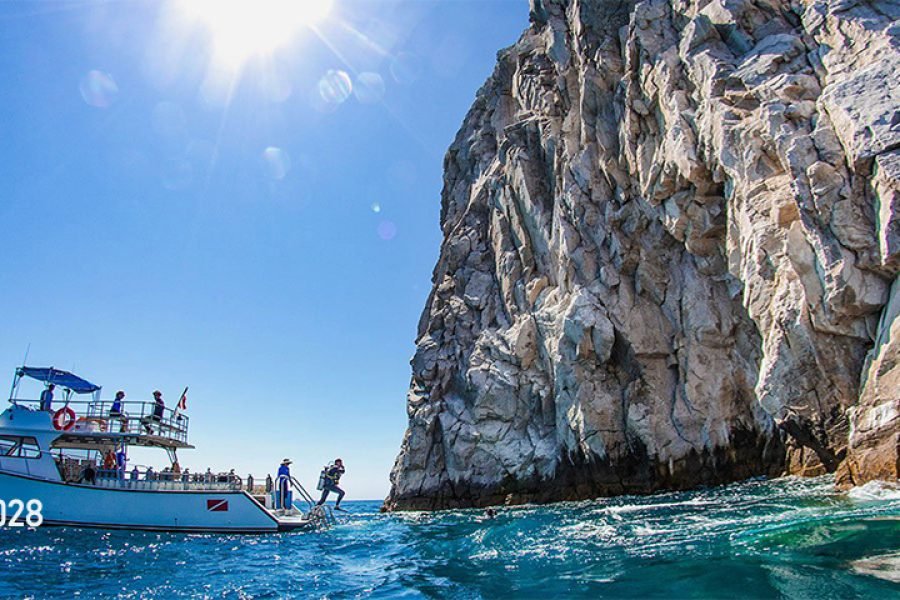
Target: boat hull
column 76, row 505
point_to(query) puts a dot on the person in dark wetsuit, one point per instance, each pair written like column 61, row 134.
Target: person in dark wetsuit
column 332, row 478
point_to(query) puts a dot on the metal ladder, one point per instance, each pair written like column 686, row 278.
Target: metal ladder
column 321, row 517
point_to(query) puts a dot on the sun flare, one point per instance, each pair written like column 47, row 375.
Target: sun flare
column 241, row 29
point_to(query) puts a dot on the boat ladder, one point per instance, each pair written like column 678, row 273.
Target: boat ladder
column 321, row 517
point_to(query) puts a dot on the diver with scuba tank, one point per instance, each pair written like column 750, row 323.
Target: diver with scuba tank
column 328, row 482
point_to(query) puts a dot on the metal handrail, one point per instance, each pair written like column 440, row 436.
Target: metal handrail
column 303, row 493
column 137, row 417
column 319, row 516
column 72, row 468
column 164, row 484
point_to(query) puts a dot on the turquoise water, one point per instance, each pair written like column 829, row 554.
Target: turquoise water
column 788, row 538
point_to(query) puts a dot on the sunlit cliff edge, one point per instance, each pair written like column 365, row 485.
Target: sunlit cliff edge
column 670, row 257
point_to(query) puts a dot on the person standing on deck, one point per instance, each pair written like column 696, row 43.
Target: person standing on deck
column 158, row 411
column 116, row 409
column 47, row 398
column 116, row 412
column 284, row 481
column 332, row 478
column 121, row 459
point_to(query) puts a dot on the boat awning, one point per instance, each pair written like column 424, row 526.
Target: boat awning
column 58, row 377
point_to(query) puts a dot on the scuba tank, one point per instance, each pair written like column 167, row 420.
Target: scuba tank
column 322, row 476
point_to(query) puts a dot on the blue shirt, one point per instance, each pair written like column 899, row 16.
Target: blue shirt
column 284, row 470
column 46, row 399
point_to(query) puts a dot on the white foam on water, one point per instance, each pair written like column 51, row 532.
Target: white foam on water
column 885, row 566
column 647, row 530
column 630, row 508
column 486, row 554
column 875, row 490
column 588, row 530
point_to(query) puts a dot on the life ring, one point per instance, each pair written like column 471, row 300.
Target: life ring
column 64, row 419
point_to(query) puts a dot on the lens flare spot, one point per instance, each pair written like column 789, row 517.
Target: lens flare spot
column 387, row 230
column 369, row 88
column 376, row 208
column 335, row 87
column 276, row 162
column 98, row 89
column 316, row 101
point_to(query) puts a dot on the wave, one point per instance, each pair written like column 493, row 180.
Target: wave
column 875, row 491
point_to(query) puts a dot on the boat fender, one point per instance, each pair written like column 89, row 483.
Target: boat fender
column 64, row 419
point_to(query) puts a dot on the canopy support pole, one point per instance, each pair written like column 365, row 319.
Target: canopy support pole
column 15, row 384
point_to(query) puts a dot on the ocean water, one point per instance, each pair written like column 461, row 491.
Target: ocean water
column 789, row 538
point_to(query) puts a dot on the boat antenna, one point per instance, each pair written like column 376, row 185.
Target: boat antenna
column 27, row 352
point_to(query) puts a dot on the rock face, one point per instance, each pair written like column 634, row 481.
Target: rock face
column 671, row 242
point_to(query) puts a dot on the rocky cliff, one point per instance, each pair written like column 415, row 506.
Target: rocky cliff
column 671, row 245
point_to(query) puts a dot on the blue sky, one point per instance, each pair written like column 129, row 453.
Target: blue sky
column 264, row 233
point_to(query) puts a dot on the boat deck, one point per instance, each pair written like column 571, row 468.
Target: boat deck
column 294, row 522
column 138, row 424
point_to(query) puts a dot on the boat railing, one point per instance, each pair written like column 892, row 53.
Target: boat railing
column 147, row 479
column 127, row 483
column 134, row 417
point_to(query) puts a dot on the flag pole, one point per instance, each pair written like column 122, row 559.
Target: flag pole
column 182, row 399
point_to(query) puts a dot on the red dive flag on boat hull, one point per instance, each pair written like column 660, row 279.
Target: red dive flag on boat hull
column 217, row 505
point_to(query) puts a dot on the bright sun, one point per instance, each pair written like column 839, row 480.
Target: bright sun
column 244, row 28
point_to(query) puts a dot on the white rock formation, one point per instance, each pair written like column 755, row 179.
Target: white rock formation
column 670, row 232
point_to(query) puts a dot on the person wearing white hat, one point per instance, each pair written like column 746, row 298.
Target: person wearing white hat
column 284, row 482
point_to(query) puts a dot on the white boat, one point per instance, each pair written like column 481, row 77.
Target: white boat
column 55, row 457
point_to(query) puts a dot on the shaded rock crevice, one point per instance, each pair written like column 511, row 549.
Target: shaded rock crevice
column 670, row 241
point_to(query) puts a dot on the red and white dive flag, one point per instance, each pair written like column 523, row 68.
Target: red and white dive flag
column 217, row 505
column 182, row 402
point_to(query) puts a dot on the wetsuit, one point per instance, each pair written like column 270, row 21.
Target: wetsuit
column 332, row 477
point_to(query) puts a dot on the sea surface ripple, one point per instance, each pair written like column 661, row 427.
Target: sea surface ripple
column 790, row 538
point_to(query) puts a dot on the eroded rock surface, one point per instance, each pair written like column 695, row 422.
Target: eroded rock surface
column 670, row 238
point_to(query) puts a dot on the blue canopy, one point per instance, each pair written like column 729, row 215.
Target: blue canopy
column 60, row 378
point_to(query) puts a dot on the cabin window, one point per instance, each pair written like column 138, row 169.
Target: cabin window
column 15, row 446
column 29, row 448
column 7, row 443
